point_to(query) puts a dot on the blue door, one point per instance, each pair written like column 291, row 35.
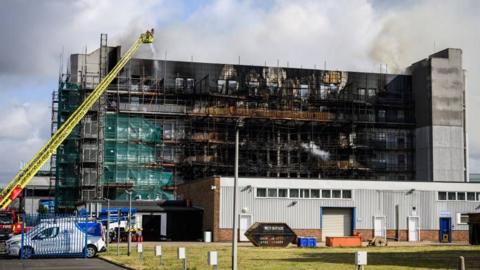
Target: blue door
column 445, row 229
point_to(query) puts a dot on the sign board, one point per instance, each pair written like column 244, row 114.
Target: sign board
column 445, row 213
column 181, row 253
column 361, row 258
column 212, row 258
column 139, row 247
column 270, row 234
column 158, row 250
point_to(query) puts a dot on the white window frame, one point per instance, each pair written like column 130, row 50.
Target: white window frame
column 301, row 193
column 339, row 198
column 276, row 193
column 288, row 193
column 459, row 219
column 256, row 192
column 321, row 193
column 438, row 196
column 351, row 194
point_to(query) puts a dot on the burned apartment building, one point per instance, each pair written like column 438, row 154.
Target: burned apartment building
column 163, row 123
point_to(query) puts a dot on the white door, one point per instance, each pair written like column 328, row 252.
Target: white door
column 413, row 229
column 245, row 223
column 379, row 226
column 336, row 222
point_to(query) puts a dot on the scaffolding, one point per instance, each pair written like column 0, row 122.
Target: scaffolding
column 67, row 157
column 133, row 146
column 162, row 123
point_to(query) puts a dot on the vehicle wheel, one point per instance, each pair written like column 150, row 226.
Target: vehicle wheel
column 380, row 242
column 91, row 251
column 26, row 252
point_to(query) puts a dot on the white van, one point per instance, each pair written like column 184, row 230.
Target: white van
column 61, row 238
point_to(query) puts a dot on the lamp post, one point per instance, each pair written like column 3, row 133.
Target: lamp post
column 129, row 243
column 238, row 125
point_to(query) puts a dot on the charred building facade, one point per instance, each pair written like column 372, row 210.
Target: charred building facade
column 162, row 123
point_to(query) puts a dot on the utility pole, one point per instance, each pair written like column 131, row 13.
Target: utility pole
column 238, row 125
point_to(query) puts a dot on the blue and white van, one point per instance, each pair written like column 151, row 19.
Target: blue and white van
column 59, row 238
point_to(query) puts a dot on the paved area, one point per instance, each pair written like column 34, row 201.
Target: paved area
column 56, row 264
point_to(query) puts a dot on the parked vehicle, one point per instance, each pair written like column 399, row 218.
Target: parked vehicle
column 59, row 238
column 10, row 224
column 115, row 223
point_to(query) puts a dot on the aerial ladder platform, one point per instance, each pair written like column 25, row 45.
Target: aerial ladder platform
column 23, row 177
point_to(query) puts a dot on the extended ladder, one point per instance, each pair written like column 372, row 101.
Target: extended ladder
column 23, row 177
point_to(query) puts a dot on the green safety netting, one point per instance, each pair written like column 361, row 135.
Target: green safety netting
column 68, row 152
column 67, row 197
column 128, row 153
column 131, row 128
column 68, row 100
column 137, row 175
column 130, row 157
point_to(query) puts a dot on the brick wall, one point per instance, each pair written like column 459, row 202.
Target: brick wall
column 392, row 234
column 365, row 234
column 224, row 235
column 460, row 235
column 429, row 235
column 202, row 195
column 425, row 235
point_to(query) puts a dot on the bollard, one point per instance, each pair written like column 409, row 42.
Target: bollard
column 140, row 250
column 461, row 263
column 158, row 252
column 181, row 254
column 213, row 259
column 207, row 236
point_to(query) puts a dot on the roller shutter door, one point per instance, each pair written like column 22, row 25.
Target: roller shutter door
column 336, row 222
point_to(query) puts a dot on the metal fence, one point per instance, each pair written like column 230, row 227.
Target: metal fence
column 58, row 235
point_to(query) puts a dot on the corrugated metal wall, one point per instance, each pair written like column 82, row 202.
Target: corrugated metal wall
column 305, row 214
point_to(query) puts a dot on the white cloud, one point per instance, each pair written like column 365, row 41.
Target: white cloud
column 299, row 32
column 413, row 33
column 24, row 128
column 24, row 121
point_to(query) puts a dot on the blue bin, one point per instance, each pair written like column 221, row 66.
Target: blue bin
column 312, row 242
column 302, row 242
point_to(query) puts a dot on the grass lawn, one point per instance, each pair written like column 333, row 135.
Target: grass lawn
column 392, row 258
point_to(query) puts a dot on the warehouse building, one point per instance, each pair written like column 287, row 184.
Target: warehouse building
column 162, row 126
column 403, row 211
